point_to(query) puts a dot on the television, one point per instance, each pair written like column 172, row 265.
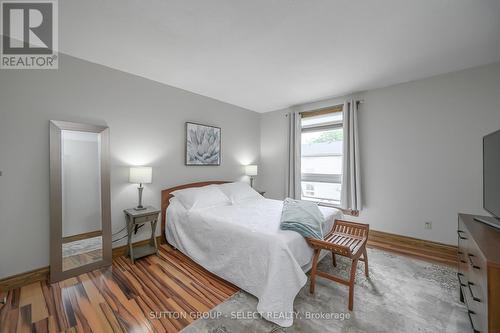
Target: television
column 491, row 178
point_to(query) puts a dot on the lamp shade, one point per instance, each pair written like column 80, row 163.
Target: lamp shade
column 251, row 170
column 140, row 175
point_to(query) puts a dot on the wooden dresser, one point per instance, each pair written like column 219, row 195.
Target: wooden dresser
column 479, row 272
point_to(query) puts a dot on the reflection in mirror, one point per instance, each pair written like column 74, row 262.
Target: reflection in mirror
column 80, row 214
column 81, row 252
column 81, row 198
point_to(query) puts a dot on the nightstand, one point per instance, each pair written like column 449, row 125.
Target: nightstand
column 135, row 218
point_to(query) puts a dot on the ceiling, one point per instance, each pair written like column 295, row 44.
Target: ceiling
column 265, row 55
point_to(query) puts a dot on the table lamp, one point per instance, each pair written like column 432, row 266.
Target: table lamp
column 140, row 175
column 251, row 170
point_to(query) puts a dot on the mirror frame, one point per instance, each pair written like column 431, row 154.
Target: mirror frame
column 56, row 239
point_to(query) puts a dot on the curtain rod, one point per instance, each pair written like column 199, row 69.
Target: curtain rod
column 326, row 109
column 359, row 101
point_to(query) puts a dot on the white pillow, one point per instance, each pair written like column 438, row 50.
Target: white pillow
column 201, row 197
column 239, row 191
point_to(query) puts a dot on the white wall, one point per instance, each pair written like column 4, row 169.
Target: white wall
column 421, row 150
column 420, row 142
column 147, row 127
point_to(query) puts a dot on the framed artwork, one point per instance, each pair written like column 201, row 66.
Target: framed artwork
column 203, row 144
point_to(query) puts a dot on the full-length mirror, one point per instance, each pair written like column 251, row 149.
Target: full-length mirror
column 79, row 198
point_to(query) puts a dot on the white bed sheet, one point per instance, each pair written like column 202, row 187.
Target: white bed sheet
column 243, row 244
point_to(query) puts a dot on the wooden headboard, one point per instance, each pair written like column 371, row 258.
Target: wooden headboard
column 166, row 195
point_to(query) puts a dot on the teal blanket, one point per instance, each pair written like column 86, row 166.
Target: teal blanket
column 303, row 217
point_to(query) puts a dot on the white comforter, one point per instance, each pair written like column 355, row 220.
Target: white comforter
column 243, row 244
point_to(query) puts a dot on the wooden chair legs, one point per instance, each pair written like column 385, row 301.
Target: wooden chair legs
column 314, row 269
column 365, row 259
column 351, row 283
column 346, row 239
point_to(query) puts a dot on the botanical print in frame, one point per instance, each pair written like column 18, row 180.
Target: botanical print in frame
column 203, row 144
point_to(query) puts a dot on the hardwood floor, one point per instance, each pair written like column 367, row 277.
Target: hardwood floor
column 157, row 294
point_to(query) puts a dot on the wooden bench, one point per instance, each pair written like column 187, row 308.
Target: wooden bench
column 346, row 239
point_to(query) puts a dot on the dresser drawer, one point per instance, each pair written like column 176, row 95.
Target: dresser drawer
column 463, row 249
column 479, row 247
column 476, row 322
column 475, row 311
column 468, row 252
column 463, row 264
column 476, row 271
column 478, row 291
column 472, row 277
column 476, row 262
column 463, row 243
column 463, row 235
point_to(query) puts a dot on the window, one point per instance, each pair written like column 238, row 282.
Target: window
column 321, row 160
column 308, row 190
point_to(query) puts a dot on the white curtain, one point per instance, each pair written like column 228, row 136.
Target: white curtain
column 350, row 196
column 293, row 175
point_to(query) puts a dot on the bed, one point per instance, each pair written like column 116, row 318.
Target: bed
column 241, row 242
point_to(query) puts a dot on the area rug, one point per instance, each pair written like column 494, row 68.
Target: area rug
column 402, row 294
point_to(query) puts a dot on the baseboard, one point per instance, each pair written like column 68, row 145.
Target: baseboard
column 42, row 273
column 22, row 279
column 414, row 247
